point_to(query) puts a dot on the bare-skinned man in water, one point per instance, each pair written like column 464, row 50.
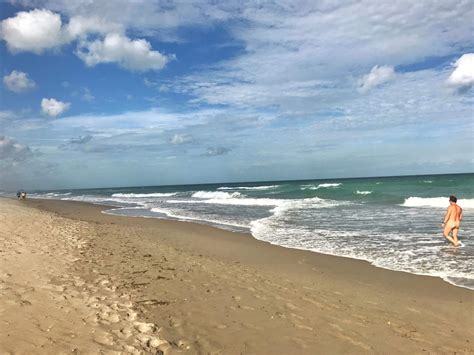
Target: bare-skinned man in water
column 452, row 220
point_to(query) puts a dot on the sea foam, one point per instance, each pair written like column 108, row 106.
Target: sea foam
column 155, row 194
column 321, row 186
column 186, row 217
column 215, row 194
column 269, row 187
column 439, row 202
column 363, row 192
column 233, row 201
column 51, row 195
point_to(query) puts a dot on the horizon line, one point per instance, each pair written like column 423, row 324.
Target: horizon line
column 252, row 182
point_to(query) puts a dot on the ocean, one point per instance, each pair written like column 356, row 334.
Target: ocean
column 391, row 222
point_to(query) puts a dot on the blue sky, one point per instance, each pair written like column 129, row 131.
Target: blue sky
column 102, row 93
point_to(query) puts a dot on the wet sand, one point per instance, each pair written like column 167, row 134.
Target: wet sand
column 197, row 289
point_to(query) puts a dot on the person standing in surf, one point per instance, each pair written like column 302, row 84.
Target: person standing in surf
column 452, row 220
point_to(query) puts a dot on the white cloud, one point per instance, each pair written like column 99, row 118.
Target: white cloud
column 52, row 107
column 82, row 26
column 35, row 31
column 377, row 76
column 301, row 58
column 12, row 151
column 149, row 83
column 181, row 139
column 150, row 121
column 40, row 30
column 18, row 81
column 144, row 17
column 7, row 116
column 463, row 75
column 414, row 99
column 87, row 95
column 129, row 54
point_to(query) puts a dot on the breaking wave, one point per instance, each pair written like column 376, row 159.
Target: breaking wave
column 439, row 202
column 155, row 194
column 269, row 187
column 321, row 186
column 215, row 194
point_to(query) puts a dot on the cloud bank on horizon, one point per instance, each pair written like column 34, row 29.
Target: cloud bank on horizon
column 123, row 93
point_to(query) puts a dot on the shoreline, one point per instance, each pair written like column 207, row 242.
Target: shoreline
column 67, row 209
column 104, row 208
column 214, row 291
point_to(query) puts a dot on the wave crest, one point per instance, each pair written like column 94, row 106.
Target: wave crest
column 249, row 187
column 439, row 202
column 155, row 194
column 363, row 192
column 321, row 186
column 218, row 195
column 50, row 195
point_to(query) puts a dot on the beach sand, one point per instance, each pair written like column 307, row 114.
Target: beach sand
column 73, row 279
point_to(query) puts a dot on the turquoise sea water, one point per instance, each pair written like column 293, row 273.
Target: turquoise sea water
column 392, row 222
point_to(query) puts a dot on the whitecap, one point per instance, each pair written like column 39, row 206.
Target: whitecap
column 52, row 195
column 269, row 187
column 438, row 202
column 321, row 186
column 154, row 194
column 233, row 201
column 215, row 194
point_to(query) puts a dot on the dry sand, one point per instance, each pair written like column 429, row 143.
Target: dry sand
column 75, row 279
column 53, row 298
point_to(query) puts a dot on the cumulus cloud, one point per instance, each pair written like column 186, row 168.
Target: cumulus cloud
column 53, row 107
column 129, row 54
column 377, row 76
column 13, row 152
column 215, row 151
column 82, row 26
column 18, row 81
column 40, row 30
column 33, row 31
column 462, row 78
column 181, row 139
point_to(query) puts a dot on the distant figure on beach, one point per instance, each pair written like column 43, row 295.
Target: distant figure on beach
column 21, row 195
column 452, row 220
column 18, row 194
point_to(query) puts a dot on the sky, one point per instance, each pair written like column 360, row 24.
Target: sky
column 131, row 93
